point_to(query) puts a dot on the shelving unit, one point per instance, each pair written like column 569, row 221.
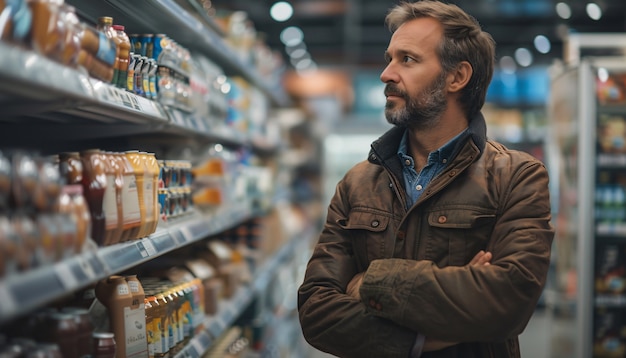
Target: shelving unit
column 47, row 103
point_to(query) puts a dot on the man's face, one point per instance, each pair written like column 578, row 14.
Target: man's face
column 416, row 87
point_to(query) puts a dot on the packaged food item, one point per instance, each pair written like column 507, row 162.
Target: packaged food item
column 127, row 323
column 84, row 329
column 5, row 182
column 94, row 185
column 71, row 41
column 103, row 345
column 124, row 55
column 131, row 208
column 47, row 29
column 146, row 41
column 130, row 75
column 105, row 26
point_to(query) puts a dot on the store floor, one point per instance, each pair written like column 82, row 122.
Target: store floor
column 544, row 337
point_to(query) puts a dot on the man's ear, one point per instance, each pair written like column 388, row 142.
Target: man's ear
column 460, row 76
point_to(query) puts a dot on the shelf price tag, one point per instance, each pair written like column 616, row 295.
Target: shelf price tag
column 146, row 248
column 186, row 234
column 65, row 275
column 197, row 346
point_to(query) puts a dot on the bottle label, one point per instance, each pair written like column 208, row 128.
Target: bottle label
column 130, row 201
column 135, row 332
column 106, row 49
column 109, row 205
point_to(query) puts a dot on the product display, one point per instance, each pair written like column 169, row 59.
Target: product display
column 104, row 251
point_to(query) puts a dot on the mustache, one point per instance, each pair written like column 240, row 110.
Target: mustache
column 393, row 90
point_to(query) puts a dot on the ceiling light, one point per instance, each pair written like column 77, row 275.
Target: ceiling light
column 298, row 53
column 523, row 57
column 291, row 36
column 542, row 44
column 281, row 11
column 563, row 10
column 594, row 11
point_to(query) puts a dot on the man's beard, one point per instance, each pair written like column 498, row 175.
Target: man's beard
column 422, row 112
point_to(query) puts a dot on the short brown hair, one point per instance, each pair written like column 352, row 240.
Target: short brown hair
column 463, row 40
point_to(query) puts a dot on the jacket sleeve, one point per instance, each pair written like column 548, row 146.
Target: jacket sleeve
column 333, row 321
column 475, row 303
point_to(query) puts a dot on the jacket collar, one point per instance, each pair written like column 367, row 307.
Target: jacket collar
column 384, row 149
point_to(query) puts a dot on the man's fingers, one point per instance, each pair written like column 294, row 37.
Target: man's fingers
column 481, row 258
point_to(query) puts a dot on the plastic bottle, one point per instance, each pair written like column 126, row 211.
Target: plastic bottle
column 124, row 55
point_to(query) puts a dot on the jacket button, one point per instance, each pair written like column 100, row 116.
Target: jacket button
column 442, row 219
column 375, row 223
column 401, row 235
column 372, row 303
column 452, row 173
column 379, row 307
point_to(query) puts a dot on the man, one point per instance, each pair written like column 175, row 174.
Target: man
column 438, row 245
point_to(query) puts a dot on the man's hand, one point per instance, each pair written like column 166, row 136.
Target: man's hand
column 432, row 344
column 354, row 285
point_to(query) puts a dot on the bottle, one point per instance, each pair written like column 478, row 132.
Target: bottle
column 127, row 324
column 139, row 169
column 150, row 331
column 124, row 55
column 112, row 201
column 94, row 183
column 130, row 199
column 151, row 187
column 105, row 26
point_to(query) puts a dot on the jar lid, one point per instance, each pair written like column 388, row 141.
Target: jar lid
column 102, row 335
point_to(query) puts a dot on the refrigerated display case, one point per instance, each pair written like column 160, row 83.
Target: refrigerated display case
column 588, row 139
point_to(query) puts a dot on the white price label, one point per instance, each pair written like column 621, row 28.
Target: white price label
column 86, row 268
column 186, row 234
column 66, row 276
column 198, row 347
column 146, row 248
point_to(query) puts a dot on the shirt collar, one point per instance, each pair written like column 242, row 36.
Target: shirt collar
column 445, row 152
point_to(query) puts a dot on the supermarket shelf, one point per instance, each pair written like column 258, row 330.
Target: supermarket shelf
column 609, row 161
column 73, row 105
column 229, row 310
column 166, row 16
column 24, row 292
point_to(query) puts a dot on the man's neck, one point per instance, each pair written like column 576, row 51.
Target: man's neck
column 423, row 141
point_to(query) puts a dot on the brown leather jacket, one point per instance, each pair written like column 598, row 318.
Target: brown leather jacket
column 415, row 261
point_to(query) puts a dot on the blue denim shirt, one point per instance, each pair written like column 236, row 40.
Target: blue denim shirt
column 415, row 182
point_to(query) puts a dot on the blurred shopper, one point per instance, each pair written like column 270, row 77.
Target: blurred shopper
column 438, row 244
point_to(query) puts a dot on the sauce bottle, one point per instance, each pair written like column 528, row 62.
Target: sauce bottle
column 94, row 183
column 151, row 187
column 128, row 324
column 112, row 201
column 139, row 169
column 131, row 208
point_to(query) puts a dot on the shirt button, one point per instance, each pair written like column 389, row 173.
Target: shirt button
column 407, row 162
column 442, row 219
column 418, row 187
column 375, row 223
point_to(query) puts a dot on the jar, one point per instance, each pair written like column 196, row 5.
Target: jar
column 103, row 345
column 61, row 329
column 85, row 329
column 71, row 167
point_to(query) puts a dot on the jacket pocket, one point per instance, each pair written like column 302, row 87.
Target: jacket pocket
column 367, row 230
column 458, row 233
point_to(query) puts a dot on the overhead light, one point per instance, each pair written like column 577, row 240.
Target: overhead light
column 563, row 10
column 281, row 11
column 523, row 57
column 298, row 53
column 542, row 44
column 603, row 74
column 594, row 11
column 291, row 36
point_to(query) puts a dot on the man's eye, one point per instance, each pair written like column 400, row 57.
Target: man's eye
column 407, row 59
